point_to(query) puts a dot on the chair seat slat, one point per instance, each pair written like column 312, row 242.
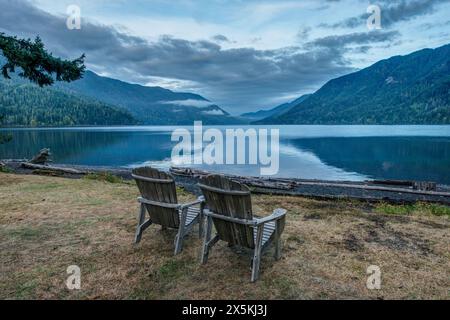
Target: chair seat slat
column 192, row 214
column 269, row 229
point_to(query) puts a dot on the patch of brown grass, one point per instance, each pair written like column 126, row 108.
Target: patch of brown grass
column 48, row 224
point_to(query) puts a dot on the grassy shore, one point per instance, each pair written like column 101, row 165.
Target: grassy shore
column 48, row 224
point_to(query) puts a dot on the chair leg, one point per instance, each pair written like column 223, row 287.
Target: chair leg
column 179, row 243
column 201, row 221
column 180, row 236
column 277, row 255
column 206, row 239
column 277, row 241
column 141, row 220
column 257, row 253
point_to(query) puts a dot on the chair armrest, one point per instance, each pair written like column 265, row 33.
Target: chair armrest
column 276, row 215
column 170, row 205
column 159, row 204
column 200, row 200
column 252, row 222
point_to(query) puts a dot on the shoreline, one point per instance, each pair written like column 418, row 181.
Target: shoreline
column 4, row 128
column 372, row 191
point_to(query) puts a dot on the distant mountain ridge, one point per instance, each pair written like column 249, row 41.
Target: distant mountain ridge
column 115, row 102
column 411, row 89
column 150, row 105
column 277, row 111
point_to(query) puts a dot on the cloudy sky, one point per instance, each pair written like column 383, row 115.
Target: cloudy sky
column 244, row 55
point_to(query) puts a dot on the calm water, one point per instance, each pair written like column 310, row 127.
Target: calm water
column 312, row 152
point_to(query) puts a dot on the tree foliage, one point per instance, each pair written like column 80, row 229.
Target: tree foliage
column 36, row 64
column 31, row 106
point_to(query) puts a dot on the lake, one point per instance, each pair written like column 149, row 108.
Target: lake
column 311, row 152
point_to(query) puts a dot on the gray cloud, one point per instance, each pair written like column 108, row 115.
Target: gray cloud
column 429, row 26
column 393, row 11
column 359, row 38
column 220, row 38
column 304, row 33
column 240, row 79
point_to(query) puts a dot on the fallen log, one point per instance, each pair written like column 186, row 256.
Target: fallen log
column 424, row 186
column 266, row 183
column 187, row 172
column 377, row 188
column 276, row 184
column 416, row 185
column 401, row 183
column 287, row 187
column 48, row 168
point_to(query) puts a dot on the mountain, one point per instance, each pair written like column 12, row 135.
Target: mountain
column 137, row 104
column 411, row 89
column 24, row 104
column 277, row 111
column 150, row 105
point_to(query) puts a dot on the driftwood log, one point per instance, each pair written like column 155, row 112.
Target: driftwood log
column 416, row 185
column 391, row 191
column 47, row 168
column 424, row 186
column 290, row 186
column 42, row 157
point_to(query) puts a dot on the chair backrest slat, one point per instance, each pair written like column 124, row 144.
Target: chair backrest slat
column 232, row 199
column 158, row 186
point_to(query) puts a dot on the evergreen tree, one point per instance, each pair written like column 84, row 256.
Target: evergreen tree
column 36, row 64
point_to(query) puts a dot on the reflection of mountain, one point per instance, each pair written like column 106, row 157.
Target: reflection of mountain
column 63, row 143
column 335, row 158
column 408, row 158
column 299, row 163
column 132, row 147
column 98, row 147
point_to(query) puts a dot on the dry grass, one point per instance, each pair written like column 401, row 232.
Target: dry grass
column 47, row 224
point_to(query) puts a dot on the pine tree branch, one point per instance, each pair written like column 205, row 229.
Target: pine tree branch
column 36, row 63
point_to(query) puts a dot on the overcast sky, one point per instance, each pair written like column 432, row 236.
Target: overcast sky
column 244, row 55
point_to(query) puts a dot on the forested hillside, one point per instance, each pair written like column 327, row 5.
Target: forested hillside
column 412, row 89
column 28, row 105
column 151, row 105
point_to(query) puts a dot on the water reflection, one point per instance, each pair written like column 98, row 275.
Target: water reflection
column 85, row 147
column 339, row 153
column 423, row 158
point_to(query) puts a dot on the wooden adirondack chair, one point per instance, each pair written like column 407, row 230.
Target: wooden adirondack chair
column 159, row 199
column 230, row 210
